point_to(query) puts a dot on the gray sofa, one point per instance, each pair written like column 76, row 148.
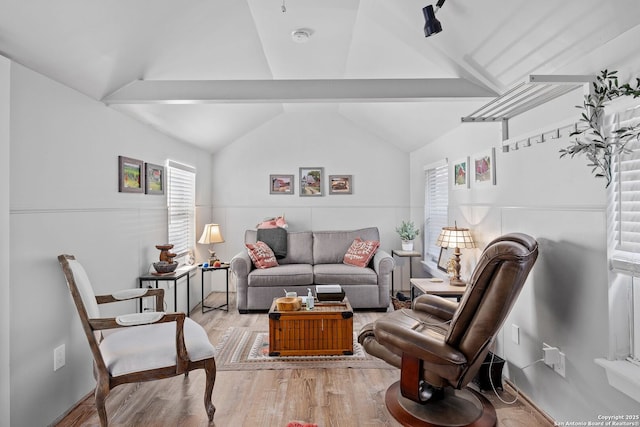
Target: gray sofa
column 314, row 258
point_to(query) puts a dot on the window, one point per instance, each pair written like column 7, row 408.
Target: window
column 625, row 222
column 181, row 201
column 436, row 203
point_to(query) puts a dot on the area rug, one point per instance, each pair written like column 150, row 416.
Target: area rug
column 242, row 349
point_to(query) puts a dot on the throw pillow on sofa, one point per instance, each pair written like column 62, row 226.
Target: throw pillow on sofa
column 360, row 252
column 261, row 255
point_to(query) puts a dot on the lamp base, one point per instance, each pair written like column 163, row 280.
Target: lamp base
column 457, row 282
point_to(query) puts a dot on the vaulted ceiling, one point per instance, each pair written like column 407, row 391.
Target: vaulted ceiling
column 221, row 68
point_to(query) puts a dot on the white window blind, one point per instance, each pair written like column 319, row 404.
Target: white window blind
column 181, row 200
column 625, row 218
column 436, row 207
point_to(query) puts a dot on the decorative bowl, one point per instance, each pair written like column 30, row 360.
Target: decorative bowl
column 165, row 267
column 289, row 303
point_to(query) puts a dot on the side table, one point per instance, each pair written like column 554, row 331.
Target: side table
column 163, row 277
column 223, row 267
column 439, row 288
column 404, row 254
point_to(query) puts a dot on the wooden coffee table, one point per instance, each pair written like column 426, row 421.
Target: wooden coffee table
column 325, row 330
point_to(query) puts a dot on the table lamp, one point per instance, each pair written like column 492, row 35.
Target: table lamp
column 454, row 237
column 211, row 235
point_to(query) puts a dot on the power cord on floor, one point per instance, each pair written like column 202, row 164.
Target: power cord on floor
column 515, row 399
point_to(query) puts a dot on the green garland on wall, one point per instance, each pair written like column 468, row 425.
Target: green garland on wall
column 592, row 140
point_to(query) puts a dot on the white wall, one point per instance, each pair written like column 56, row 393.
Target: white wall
column 564, row 302
column 316, row 138
column 64, row 199
column 5, row 67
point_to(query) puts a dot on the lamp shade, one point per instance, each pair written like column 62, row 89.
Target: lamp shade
column 431, row 24
column 454, row 237
column 211, row 234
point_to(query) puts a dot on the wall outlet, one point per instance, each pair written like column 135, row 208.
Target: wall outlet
column 58, row 357
column 515, row 334
column 560, row 366
column 551, row 355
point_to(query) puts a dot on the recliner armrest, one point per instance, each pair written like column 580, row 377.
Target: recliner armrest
column 436, row 306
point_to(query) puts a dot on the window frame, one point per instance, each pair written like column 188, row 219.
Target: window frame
column 181, row 206
column 436, row 173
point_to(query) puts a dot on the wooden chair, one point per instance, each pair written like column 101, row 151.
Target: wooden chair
column 137, row 347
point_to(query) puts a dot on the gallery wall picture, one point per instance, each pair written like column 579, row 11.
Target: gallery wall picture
column 311, row 181
column 130, row 175
column 460, row 173
column 484, row 168
column 154, row 179
column 340, row 184
column 281, row 184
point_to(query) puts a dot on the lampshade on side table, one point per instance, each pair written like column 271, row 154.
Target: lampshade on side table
column 210, row 235
column 457, row 238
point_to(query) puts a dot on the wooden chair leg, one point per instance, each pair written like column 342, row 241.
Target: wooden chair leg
column 210, row 371
column 410, row 377
column 102, row 391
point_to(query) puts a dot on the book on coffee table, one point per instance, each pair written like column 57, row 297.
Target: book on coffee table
column 329, row 293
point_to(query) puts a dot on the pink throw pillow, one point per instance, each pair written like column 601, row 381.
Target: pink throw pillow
column 360, row 252
column 261, row 255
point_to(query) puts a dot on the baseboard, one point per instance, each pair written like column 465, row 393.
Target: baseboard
column 72, row 408
column 526, row 400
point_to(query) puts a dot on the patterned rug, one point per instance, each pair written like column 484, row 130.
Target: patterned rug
column 242, row 349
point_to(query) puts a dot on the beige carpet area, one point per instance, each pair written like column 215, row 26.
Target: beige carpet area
column 244, row 349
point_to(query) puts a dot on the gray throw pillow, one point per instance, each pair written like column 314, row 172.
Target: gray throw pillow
column 276, row 239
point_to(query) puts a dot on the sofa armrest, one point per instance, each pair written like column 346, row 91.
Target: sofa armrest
column 241, row 264
column 383, row 263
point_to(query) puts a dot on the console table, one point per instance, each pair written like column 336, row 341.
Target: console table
column 165, row 277
column 223, row 267
column 439, row 288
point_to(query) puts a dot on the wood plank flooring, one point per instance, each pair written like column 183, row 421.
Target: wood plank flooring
column 266, row 398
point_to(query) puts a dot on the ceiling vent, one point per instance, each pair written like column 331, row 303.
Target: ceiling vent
column 301, row 35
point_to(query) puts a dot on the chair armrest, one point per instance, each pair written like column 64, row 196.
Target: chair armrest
column 383, row 262
column 436, row 306
column 241, row 264
column 135, row 319
column 134, row 293
column 430, row 347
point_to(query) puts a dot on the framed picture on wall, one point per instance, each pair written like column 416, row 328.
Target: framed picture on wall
column 460, row 173
column 311, row 182
column 280, row 184
column 154, row 179
column 484, row 168
column 130, row 175
column 340, row 184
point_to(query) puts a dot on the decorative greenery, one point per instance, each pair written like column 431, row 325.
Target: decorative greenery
column 407, row 230
column 592, row 140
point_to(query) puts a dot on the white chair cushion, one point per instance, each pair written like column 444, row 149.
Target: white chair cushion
column 138, row 348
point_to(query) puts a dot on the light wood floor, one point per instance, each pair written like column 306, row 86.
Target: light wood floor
column 328, row 397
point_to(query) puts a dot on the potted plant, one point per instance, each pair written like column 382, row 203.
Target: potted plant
column 407, row 232
column 592, row 139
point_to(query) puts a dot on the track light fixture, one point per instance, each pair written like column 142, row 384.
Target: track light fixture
column 431, row 24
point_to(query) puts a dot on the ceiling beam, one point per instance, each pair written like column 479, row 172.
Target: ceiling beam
column 277, row 91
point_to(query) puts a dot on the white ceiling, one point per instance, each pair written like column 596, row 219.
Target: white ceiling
column 98, row 47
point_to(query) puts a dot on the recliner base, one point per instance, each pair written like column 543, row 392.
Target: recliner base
column 458, row 408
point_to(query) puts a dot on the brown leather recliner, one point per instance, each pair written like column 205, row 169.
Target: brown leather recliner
column 439, row 344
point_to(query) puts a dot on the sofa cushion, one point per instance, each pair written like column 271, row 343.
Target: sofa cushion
column 329, row 247
column 276, row 238
column 299, row 246
column 360, row 252
column 283, row 275
column 261, row 255
column 343, row 274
